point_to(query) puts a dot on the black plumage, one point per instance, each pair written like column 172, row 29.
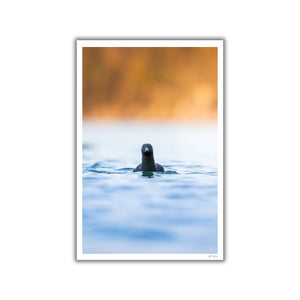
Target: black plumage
column 148, row 163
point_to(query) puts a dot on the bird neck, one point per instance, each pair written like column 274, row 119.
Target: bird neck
column 148, row 162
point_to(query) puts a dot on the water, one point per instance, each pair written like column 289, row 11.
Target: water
column 171, row 212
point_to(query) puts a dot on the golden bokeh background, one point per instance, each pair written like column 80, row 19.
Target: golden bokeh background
column 159, row 83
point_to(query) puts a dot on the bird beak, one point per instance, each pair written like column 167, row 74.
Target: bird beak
column 146, row 149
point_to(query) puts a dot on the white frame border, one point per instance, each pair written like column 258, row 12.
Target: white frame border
column 149, row 43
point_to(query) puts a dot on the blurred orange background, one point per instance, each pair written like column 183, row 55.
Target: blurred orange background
column 159, row 83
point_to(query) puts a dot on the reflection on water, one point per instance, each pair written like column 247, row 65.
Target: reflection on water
column 149, row 212
column 148, row 174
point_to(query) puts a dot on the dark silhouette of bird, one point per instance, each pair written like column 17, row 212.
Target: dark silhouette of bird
column 148, row 163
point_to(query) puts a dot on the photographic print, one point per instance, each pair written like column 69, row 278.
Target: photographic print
column 149, row 150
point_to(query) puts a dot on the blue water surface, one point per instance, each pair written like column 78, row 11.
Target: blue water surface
column 148, row 212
